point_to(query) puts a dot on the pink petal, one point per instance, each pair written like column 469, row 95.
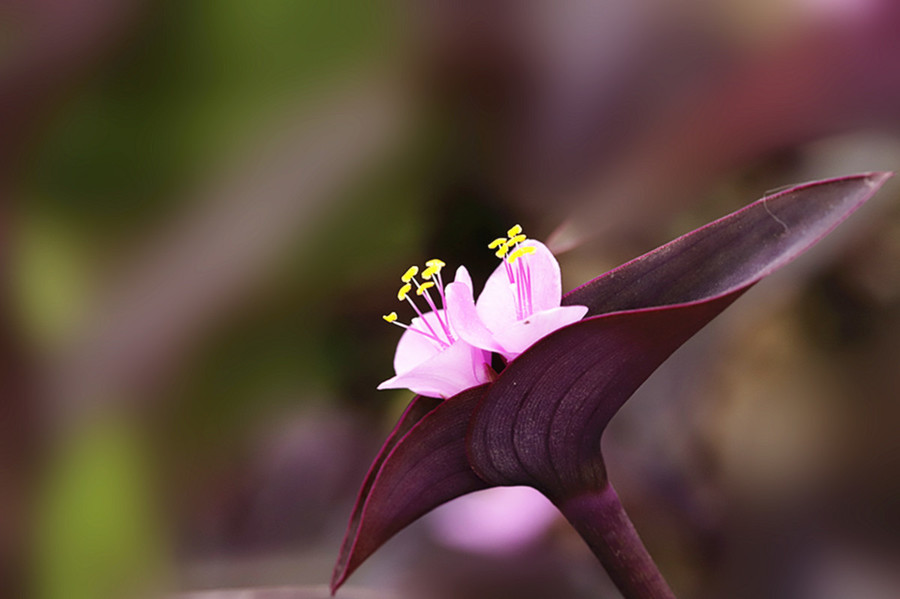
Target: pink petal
column 466, row 322
column 494, row 521
column 521, row 335
column 414, row 348
column 463, row 276
column 546, row 280
column 446, row 373
column 496, row 304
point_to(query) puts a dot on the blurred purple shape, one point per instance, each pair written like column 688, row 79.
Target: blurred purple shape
column 494, row 521
column 829, row 75
column 317, row 592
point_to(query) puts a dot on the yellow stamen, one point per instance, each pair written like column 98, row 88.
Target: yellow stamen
column 496, row 243
column 502, row 251
column 409, row 274
column 515, row 230
column 401, row 295
column 517, row 239
column 519, row 253
column 390, row 317
column 434, row 267
column 424, row 287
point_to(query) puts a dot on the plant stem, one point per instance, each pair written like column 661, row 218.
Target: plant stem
column 600, row 519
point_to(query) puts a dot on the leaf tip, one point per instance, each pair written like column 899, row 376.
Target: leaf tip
column 877, row 179
column 337, row 579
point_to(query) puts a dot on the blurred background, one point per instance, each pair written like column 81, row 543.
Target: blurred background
column 204, row 209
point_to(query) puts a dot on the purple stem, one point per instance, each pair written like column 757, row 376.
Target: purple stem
column 600, row 519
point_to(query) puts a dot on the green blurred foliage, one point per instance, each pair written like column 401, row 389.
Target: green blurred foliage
column 198, row 82
column 99, row 533
column 193, row 83
column 297, row 342
column 52, row 277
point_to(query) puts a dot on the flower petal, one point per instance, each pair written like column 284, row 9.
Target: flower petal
column 497, row 302
column 428, row 367
column 415, row 348
column 446, row 373
column 425, row 468
column 520, row 335
column 466, row 322
column 463, row 276
column 546, row 279
column 496, row 305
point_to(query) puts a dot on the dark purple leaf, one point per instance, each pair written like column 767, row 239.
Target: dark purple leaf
column 601, row 520
column 735, row 251
column 417, row 409
column 541, row 421
column 422, row 465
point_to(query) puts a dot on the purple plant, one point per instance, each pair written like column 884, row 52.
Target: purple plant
column 540, row 421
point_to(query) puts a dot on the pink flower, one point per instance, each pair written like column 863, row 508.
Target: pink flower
column 431, row 358
column 520, row 301
column 447, row 350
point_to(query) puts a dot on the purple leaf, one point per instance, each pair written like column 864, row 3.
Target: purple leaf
column 417, row 409
column 541, row 421
column 730, row 253
column 422, row 465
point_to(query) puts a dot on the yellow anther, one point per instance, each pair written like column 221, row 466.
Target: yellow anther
column 409, row 274
column 517, row 239
column 502, row 251
column 496, row 243
column 390, row 317
column 401, row 295
column 434, row 267
column 523, row 251
column 515, row 230
column 424, row 287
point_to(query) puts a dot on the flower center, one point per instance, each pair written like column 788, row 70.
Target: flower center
column 439, row 333
column 510, row 251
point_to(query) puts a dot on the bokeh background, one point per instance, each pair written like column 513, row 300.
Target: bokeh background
column 204, row 209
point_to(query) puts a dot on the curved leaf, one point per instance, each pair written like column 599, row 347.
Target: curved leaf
column 731, row 252
column 422, row 465
column 417, row 409
column 541, row 421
